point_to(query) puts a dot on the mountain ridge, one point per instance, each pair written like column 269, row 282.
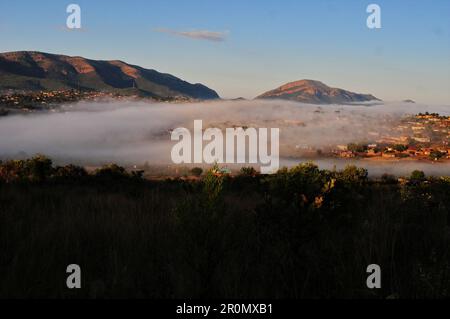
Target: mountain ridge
column 35, row 70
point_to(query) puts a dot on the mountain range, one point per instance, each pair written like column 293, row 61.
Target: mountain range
column 36, row 71
column 315, row 92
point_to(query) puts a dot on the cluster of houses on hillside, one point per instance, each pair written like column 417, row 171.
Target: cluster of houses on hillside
column 393, row 151
column 424, row 136
column 28, row 102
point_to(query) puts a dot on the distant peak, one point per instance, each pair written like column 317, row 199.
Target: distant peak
column 304, row 83
column 315, row 92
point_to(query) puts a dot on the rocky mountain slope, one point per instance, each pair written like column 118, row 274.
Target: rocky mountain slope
column 35, row 71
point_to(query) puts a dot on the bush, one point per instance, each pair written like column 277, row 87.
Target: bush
column 13, row 171
column 298, row 186
column 111, row 172
column 417, row 176
column 39, row 168
column 70, row 172
column 197, row 171
column 213, row 185
column 388, row 179
column 354, row 175
column 36, row 169
column 248, row 171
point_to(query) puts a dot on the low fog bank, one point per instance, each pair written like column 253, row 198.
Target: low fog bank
column 134, row 133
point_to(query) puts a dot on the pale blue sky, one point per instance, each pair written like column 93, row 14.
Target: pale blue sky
column 267, row 43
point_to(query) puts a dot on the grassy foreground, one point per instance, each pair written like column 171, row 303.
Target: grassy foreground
column 301, row 233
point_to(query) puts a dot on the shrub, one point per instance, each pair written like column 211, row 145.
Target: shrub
column 70, row 172
column 354, row 175
column 248, row 171
column 13, row 171
column 111, row 172
column 417, row 176
column 39, row 168
column 36, row 169
column 197, row 171
column 388, row 179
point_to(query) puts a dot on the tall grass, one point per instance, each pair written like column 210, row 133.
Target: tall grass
column 302, row 233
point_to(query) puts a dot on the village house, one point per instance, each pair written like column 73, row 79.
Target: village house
column 372, row 152
column 422, row 139
column 412, row 150
column 388, row 154
column 347, row 154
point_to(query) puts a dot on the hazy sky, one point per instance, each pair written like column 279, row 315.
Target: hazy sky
column 245, row 47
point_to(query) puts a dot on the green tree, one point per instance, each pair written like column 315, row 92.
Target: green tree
column 353, row 173
column 400, row 147
column 436, row 155
column 359, row 148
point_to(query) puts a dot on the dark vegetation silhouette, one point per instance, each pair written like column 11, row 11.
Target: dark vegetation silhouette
column 197, row 171
column 301, row 233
